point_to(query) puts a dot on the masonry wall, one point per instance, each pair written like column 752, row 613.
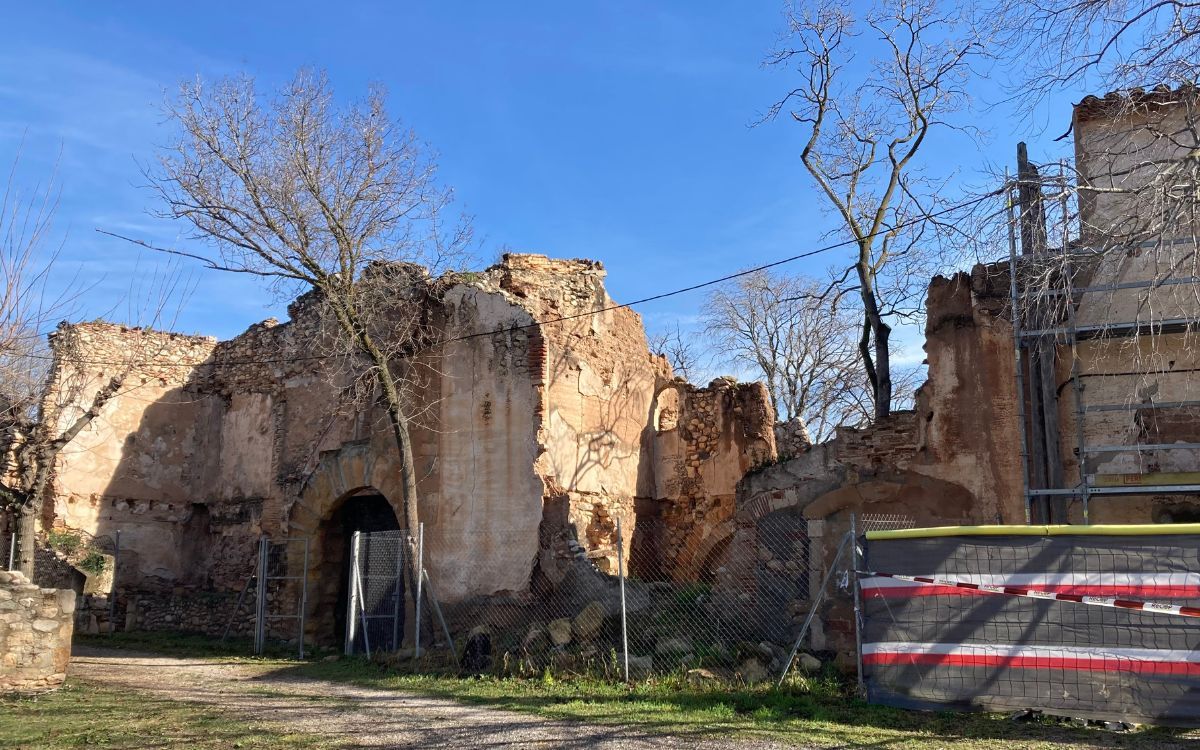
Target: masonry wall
column 527, row 439
column 35, row 634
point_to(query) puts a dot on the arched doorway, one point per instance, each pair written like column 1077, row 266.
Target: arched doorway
column 363, row 510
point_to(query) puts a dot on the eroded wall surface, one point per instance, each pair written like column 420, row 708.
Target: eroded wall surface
column 531, row 407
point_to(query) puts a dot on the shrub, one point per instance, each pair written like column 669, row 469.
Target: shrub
column 92, row 563
column 66, row 542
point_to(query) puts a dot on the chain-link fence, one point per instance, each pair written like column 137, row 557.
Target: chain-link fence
column 641, row 599
column 382, row 570
column 8, row 547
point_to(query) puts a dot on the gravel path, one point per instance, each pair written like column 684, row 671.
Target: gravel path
column 361, row 717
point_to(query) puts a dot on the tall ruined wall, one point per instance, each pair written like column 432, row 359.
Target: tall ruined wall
column 482, row 498
column 705, row 441
column 130, row 468
column 1138, row 363
column 1124, row 145
column 953, row 458
column 530, row 435
column 597, row 390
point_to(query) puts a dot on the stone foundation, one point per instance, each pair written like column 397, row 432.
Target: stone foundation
column 35, row 634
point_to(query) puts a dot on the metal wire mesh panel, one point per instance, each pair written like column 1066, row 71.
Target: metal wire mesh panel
column 732, row 610
column 1066, row 634
column 732, row 605
column 556, row 609
column 381, row 572
column 281, row 600
column 885, row 522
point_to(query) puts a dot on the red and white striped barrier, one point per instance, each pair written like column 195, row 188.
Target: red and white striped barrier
column 1095, row 601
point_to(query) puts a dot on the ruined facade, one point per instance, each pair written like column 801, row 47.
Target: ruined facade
column 531, row 436
column 545, row 421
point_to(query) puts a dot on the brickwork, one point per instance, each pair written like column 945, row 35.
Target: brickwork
column 891, row 442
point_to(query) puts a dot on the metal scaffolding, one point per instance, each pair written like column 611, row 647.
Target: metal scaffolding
column 1045, row 329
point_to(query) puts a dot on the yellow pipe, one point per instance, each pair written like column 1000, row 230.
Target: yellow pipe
column 1065, row 530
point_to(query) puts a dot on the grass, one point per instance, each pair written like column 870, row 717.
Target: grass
column 94, row 716
column 810, row 713
column 815, row 712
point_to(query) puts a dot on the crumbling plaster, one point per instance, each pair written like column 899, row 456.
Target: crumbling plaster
column 253, row 436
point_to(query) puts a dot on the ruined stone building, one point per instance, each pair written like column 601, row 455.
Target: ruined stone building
column 1111, row 432
column 541, row 432
column 538, row 436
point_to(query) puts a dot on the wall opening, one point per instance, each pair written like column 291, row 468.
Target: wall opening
column 364, row 510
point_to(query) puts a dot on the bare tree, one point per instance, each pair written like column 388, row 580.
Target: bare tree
column 865, row 128
column 805, row 348
column 49, row 392
column 1110, row 45
column 309, row 196
column 681, row 350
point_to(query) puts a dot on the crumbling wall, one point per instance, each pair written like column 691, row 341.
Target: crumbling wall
column 792, row 438
column 35, row 634
column 705, row 441
column 952, row 458
column 482, row 499
column 539, row 420
column 131, row 467
column 598, row 383
column 1124, row 142
column 1138, row 373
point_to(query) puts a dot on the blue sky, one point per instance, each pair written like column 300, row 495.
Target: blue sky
column 611, row 130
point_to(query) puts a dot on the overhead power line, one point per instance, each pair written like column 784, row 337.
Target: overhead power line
column 586, row 313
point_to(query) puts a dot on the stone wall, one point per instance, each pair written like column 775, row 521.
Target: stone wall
column 706, row 440
column 792, row 438
column 527, row 437
column 35, row 634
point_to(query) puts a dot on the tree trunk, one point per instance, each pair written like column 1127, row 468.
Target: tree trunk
column 882, row 334
column 26, row 530
column 876, row 338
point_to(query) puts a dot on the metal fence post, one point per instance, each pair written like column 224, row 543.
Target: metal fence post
column 12, row 547
column 398, row 602
column 437, row 610
column 112, row 596
column 858, row 619
column 260, row 615
column 303, row 596
column 417, row 608
column 816, row 604
column 621, row 577
column 352, row 600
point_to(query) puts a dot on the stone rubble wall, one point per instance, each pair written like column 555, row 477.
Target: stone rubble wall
column 35, row 634
column 224, row 442
column 792, row 438
column 708, row 439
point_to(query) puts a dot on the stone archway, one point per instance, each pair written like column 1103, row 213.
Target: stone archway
column 352, row 489
column 363, row 510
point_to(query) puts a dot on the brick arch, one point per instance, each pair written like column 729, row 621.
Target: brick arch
column 339, row 475
column 701, row 551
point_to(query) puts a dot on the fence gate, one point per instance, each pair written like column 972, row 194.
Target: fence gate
column 278, row 596
column 381, row 569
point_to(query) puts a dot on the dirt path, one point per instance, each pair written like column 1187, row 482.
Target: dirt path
column 360, row 717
